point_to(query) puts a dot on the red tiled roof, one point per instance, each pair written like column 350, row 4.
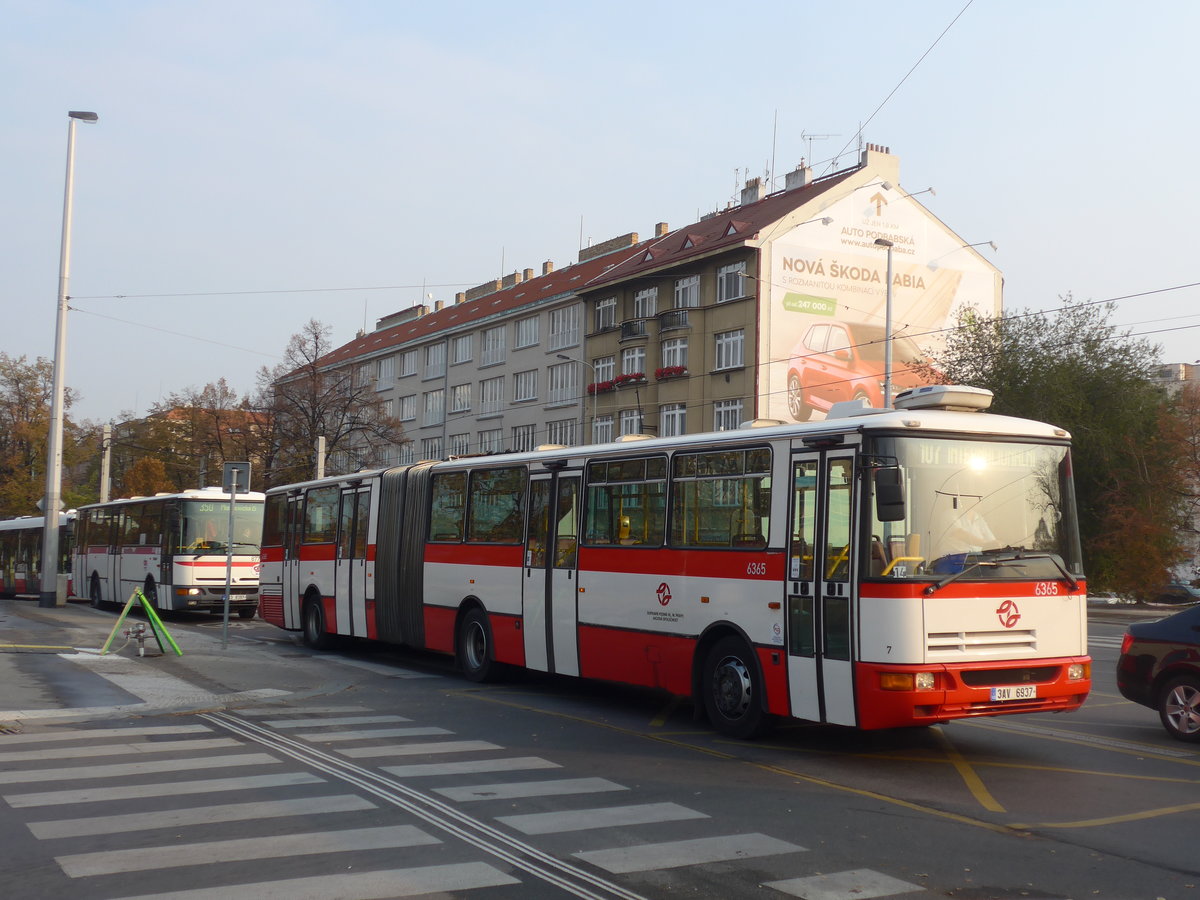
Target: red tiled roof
column 727, row 229
column 560, row 282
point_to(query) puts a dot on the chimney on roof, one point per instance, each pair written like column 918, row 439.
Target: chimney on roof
column 460, row 297
column 801, row 176
column 510, row 280
column 547, row 267
column 753, row 191
column 618, row 243
column 661, row 229
column 482, row 290
column 438, row 304
column 528, row 275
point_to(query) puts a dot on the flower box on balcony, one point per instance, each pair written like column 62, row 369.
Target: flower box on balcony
column 601, row 387
column 630, row 378
column 670, row 372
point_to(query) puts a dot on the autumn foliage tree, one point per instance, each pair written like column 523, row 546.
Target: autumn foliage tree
column 1072, row 368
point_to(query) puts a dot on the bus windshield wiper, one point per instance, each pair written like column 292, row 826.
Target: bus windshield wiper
column 1015, row 558
column 954, row 576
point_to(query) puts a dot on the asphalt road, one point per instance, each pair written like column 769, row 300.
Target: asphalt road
column 263, row 770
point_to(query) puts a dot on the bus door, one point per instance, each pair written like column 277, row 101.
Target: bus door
column 550, row 598
column 350, row 574
column 291, row 585
column 821, row 589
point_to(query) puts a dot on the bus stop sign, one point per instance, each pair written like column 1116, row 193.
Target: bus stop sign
column 238, row 470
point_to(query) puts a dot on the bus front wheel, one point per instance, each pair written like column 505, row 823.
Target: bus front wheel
column 732, row 689
column 94, row 593
column 315, row 635
column 475, row 648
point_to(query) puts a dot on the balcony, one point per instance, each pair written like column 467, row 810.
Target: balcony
column 634, row 328
column 673, row 318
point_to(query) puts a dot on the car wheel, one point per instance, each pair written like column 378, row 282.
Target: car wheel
column 732, row 690
column 799, row 410
column 475, row 653
column 247, row 612
column 1179, row 708
column 315, row 635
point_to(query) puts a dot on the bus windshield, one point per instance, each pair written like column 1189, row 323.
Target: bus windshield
column 979, row 510
column 204, row 526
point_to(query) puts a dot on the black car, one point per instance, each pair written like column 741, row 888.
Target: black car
column 1159, row 667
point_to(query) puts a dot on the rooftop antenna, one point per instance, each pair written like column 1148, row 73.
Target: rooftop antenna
column 774, row 135
column 809, row 138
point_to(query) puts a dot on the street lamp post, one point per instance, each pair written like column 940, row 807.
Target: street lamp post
column 53, row 498
column 584, row 362
column 887, row 328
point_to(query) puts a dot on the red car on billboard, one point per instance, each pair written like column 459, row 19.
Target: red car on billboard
column 839, row 361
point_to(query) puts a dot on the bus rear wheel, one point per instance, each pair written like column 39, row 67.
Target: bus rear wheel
column 732, row 689
column 475, row 653
column 94, row 593
column 315, row 635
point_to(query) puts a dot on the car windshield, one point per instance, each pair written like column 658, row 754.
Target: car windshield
column 872, row 347
column 205, row 527
column 979, row 510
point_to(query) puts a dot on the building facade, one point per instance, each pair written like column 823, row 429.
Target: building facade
column 775, row 307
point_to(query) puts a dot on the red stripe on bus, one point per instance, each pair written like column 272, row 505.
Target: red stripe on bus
column 318, row 552
column 756, row 565
column 272, row 554
column 476, row 554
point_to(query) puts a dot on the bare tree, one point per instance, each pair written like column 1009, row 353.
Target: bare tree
column 312, row 395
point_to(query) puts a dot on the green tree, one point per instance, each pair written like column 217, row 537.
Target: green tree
column 1075, row 370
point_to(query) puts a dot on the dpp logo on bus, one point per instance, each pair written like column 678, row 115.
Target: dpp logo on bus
column 1008, row 613
column 664, row 594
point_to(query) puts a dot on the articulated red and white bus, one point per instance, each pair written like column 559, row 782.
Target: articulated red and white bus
column 879, row 568
column 174, row 547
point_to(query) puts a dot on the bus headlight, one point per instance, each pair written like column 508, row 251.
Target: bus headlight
column 1079, row 671
column 188, row 592
column 906, row 681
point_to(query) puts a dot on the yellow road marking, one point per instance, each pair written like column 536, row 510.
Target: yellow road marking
column 666, row 712
column 969, row 776
column 34, row 647
column 1115, row 820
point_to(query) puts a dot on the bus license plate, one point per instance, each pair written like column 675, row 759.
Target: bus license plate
column 1015, row 692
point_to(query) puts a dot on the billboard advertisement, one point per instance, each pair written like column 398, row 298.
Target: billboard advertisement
column 823, row 339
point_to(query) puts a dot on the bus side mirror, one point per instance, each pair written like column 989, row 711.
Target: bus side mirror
column 889, row 494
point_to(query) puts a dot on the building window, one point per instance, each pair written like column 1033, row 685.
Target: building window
column 730, row 282
column 564, row 327
column 389, row 408
column 492, row 351
column 491, row 396
column 435, row 409
column 431, row 448
column 562, row 431
column 408, row 454
column 460, row 349
column 406, row 411
column 408, row 363
column 727, row 415
column 525, row 332
column 562, row 384
column 460, row 399
column 522, row 438
column 687, row 292
column 674, row 352
column 602, row 430
column 731, row 349
column 490, row 440
column 525, row 386
column 672, row 419
column 385, row 372
column 460, row 444
column 645, row 303
column 606, row 368
column 606, row 314
column 633, row 361
column 435, row 360
column 631, row 421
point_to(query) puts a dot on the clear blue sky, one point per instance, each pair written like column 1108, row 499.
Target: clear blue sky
column 283, row 145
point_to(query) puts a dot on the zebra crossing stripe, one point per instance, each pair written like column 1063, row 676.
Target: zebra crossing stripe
column 199, row 815
column 608, row 817
column 441, row 880
column 161, row 789
column 471, row 767
column 141, row 859
column 319, row 737
column 146, row 767
column 84, row 734
column 516, row 789
column 280, row 710
column 673, row 854
column 418, row 749
column 119, row 750
column 346, row 720
column 855, row 884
